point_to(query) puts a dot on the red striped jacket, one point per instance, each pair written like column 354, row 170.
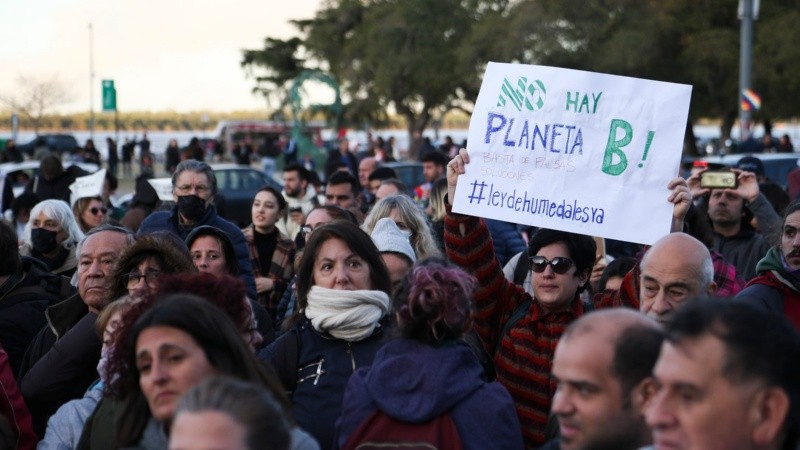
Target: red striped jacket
column 524, row 358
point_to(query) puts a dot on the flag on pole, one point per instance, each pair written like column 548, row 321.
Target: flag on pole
column 750, row 100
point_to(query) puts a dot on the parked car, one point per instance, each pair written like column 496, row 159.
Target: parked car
column 776, row 165
column 409, row 172
column 58, row 143
column 236, row 188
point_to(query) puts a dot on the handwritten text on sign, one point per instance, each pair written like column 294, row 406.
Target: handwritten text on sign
column 576, row 151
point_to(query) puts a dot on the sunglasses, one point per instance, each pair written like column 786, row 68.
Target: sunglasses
column 559, row 264
column 95, row 210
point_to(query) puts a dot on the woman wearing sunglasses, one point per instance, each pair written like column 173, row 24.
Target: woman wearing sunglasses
column 89, row 212
column 520, row 329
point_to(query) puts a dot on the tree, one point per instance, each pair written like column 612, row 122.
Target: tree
column 36, row 97
column 421, row 57
column 400, row 54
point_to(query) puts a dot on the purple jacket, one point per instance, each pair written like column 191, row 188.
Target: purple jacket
column 414, row 382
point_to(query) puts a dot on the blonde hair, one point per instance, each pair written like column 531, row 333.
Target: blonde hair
column 417, row 222
column 438, row 191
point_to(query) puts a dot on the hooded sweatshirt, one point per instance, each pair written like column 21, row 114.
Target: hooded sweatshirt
column 413, row 382
column 773, row 274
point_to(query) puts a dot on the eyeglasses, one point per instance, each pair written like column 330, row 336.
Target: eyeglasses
column 559, row 264
column 94, row 210
column 187, row 188
column 132, row 279
column 306, row 231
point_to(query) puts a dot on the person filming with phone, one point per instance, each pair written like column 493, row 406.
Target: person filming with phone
column 733, row 199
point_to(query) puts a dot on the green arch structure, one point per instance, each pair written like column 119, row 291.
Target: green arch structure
column 305, row 146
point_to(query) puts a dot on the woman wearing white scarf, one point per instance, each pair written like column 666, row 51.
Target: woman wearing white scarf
column 342, row 310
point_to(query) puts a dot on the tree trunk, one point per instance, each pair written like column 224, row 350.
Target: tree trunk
column 690, row 141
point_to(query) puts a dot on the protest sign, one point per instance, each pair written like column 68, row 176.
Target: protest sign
column 576, row 151
column 163, row 188
column 87, row 186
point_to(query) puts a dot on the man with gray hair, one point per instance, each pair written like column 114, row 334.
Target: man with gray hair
column 194, row 186
column 61, row 362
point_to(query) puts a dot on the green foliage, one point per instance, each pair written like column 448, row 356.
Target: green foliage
column 425, row 57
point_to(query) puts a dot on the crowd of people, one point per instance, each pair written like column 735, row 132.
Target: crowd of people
column 364, row 313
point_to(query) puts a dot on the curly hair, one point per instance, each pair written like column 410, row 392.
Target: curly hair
column 171, row 255
column 434, row 302
column 414, row 219
column 220, row 291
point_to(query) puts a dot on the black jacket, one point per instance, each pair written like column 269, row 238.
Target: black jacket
column 58, row 187
column 61, row 362
column 23, row 301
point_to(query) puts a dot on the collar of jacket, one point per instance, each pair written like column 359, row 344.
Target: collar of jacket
column 64, row 315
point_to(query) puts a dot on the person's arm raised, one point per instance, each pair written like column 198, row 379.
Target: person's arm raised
column 681, row 199
column 455, row 168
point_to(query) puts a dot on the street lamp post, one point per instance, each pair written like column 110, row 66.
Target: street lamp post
column 746, row 15
column 91, row 82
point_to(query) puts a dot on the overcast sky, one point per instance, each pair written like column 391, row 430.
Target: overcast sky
column 162, row 55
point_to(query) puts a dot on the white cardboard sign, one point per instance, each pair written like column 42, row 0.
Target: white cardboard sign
column 576, row 151
column 163, row 188
column 87, row 186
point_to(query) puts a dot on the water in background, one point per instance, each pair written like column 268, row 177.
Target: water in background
column 160, row 139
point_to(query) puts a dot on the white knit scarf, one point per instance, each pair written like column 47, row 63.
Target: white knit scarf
column 347, row 315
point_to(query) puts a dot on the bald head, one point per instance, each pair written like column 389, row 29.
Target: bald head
column 365, row 168
column 608, row 324
column 676, row 268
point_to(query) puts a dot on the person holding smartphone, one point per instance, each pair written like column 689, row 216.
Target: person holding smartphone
column 730, row 210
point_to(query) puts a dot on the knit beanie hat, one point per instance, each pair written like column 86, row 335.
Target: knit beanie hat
column 389, row 238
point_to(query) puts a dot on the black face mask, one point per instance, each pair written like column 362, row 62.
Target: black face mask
column 191, row 207
column 44, row 241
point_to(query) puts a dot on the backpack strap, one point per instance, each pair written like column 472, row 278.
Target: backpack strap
column 765, row 296
column 518, row 313
column 521, row 269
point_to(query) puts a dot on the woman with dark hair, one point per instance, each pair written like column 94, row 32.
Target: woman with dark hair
column 166, row 346
column 212, row 251
column 433, row 308
column 316, row 218
column 271, row 251
column 343, row 302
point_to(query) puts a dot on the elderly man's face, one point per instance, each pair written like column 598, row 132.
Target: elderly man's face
column 667, row 281
column 98, row 254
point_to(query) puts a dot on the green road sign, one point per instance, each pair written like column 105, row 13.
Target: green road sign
column 109, row 96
